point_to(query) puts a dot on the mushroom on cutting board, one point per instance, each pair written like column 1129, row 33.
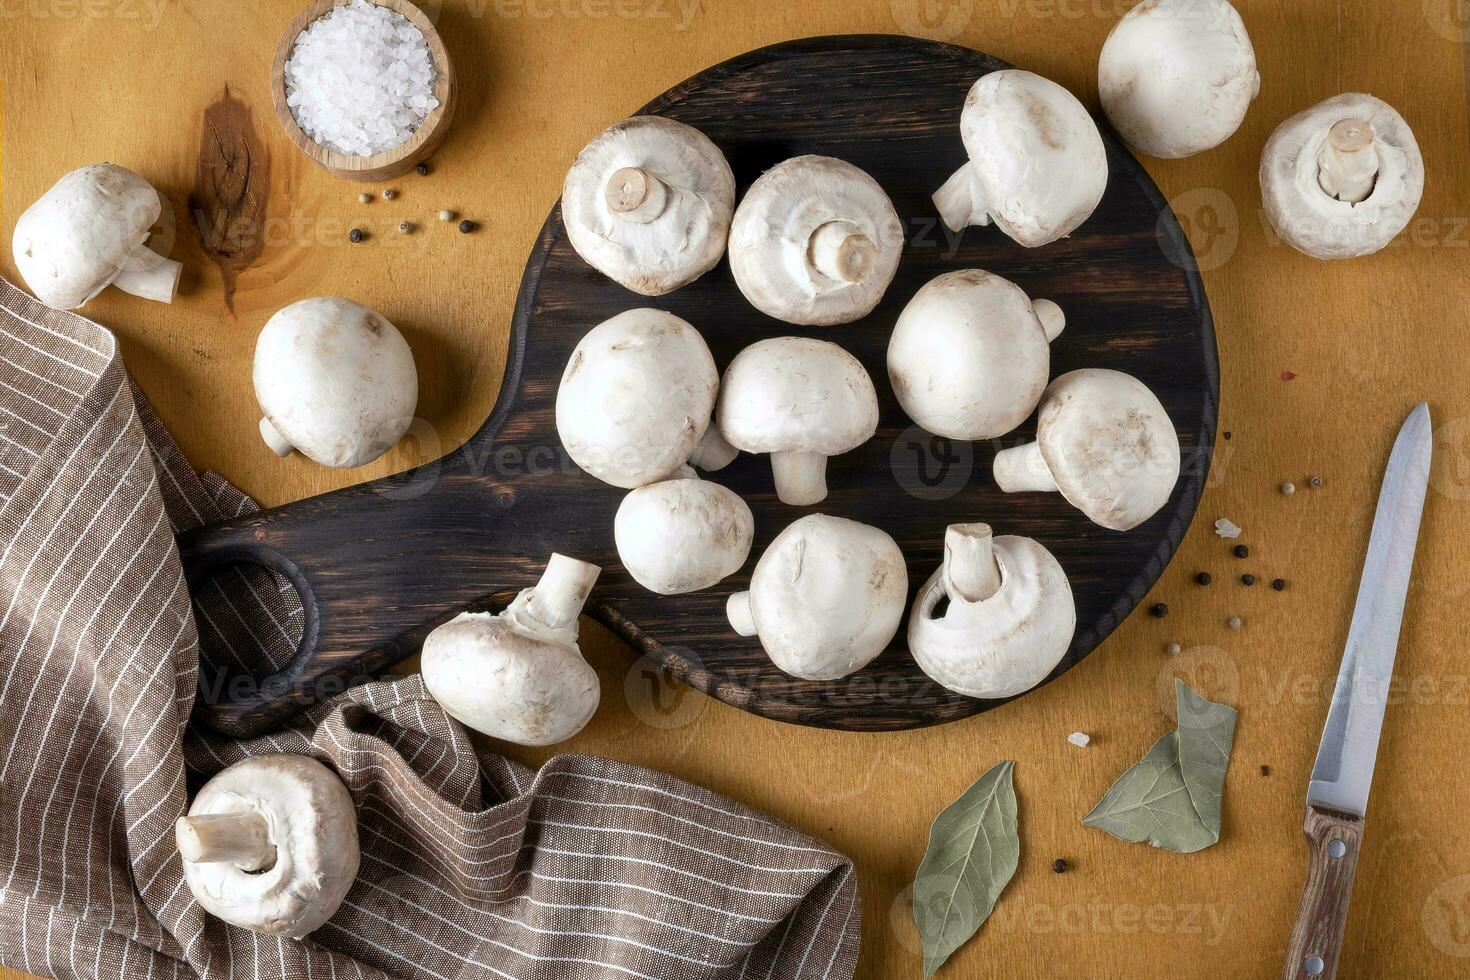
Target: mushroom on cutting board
column 519, row 676
column 335, row 380
column 648, row 204
column 801, row 401
column 825, row 598
column 1176, row 76
column 636, row 398
column 1008, row 620
column 1037, row 164
column 90, row 231
column 1102, row 440
column 970, row 354
column 270, row 845
column 815, row 241
column 683, row 534
column 1342, row 178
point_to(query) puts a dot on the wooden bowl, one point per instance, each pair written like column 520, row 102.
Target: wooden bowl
column 393, row 161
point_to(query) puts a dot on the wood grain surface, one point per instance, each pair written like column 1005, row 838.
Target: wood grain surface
column 1315, row 945
column 380, row 564
column 1361, row 342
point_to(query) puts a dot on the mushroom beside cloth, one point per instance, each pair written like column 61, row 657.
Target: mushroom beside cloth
column 825, row 598
column 815, row 241
column 682, row 535
column 636, row 399
column 519, row 675
column 335, row 381
column 970, row 354
column 1037, row 164
column 1105, row 442
column 801, row 401
column 1176, row 76
column 1008, row 614
column 1342, row 178
column 102, row 761
column 648, row 204
column 91, row 231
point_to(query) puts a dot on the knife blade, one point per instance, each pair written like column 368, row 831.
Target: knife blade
column 1337, row 796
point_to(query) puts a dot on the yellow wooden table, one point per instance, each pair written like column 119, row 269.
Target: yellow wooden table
column 130, row 81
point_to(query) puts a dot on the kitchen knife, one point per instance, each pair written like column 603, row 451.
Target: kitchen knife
column 1337, row 797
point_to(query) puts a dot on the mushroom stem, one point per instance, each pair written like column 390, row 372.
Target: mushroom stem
column 241, row 839
column 558, row 597
column 149, row 275
column 1347, row 166
column 971, row 572
column 959, row 201
column 741, row 616
column 801, row 478
column 1051, row 317
column 636, row 194
column 1023, row 468
column 278, row 443
column 841, row 252
column 713, row 452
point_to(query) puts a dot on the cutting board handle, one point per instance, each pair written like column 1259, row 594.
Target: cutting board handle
column 1333, row 842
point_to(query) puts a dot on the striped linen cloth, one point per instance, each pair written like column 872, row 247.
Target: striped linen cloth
column 472, row 865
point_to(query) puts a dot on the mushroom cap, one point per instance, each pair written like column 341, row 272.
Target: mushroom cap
column 1176, row 76
column 1109, row 445
column 968, row 358
column 336, row 379
column 313, row 826
column 685, row 240
column 1313, row 221
column 827, row 596
column 1035, row 154
column 772, row 235
column 636, row 397
column 1005, row 644
column 682, row 535
column 793, row 394
column 72, row 243
column 510, row 679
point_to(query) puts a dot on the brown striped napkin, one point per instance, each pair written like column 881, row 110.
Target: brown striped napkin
column 472, row 865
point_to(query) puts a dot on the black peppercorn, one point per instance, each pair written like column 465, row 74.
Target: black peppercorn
column 1203, row 578
column 1159, row 609
column 422, row 170
column 1059, row 865
column 466, row 226
column 355, row 235
column 1241, row 551
column 1315, row 482
column 1279, row 584
column 1265, row 770
column 1227, row 433
column 1247, row 579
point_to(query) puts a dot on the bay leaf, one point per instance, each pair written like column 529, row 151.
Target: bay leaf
column 974, row 847
column 1171, row 797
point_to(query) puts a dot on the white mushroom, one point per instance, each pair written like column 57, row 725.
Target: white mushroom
column 801, row 401
column 636, row 399
column 90, row 231
column 519, row 676
column 335, row 380
column 825, row 598
column 683, row 534
column 1009, row 616
column 648, row 204
column 1037, row 165
column 1342, row 178
column 1176, row 76
column 1105, row 442
column 815, row 241
column 970, row 354
column 270, row 845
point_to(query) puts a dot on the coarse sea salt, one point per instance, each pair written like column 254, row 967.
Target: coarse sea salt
column 360, row 79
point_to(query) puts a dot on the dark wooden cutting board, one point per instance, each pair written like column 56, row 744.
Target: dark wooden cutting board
column 379, row 565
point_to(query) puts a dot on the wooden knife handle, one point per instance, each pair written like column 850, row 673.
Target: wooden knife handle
column 1333, row 842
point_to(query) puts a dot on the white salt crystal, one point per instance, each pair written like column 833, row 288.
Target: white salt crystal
column 1227, row 528
column 360, row 80
column 1079, row 739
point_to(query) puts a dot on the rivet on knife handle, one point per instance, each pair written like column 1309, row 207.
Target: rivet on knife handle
column 1333, row 841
